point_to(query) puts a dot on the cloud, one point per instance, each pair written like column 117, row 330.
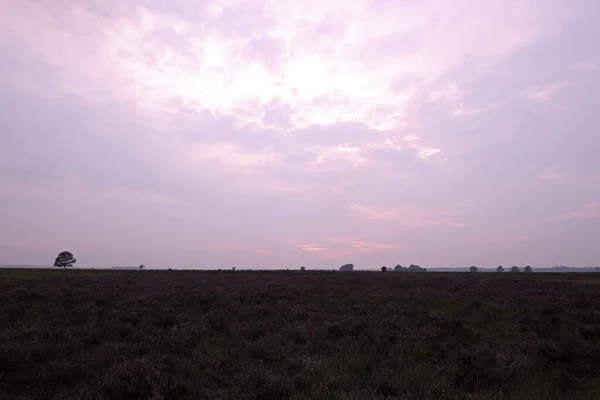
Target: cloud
column 585, row 66
column 591, row 211
column 356, row 244
column 551, row 172
column 266, row 50
column 364, row 246
column 211, row 129
column 161, row 55
column 544, row 93
column 311, row 247
column 413, row 218
column 370, row 212
column 264, row 252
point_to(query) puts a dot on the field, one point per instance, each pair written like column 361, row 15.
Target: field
column 298, row 335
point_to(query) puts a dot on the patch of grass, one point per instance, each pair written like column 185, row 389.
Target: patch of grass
column 278, row 335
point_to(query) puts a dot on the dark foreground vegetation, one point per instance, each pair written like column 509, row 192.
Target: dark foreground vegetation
column 298, row 335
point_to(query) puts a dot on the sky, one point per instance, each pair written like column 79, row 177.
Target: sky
column 280, row 134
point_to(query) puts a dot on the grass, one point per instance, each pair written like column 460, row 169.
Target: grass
column 298, row 335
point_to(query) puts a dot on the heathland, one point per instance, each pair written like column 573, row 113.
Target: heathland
column 298, row 335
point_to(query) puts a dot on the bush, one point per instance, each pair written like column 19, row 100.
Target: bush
column 416, row 268
column 347, row 267
column 384, row 269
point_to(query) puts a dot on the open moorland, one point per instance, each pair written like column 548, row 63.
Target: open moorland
column 298, row 335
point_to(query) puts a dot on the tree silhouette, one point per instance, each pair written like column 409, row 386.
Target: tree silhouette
column 384, row 269
column 398, row 268
column 302, row 268
column 500, row 268
column 65, row 259
column 141, row 267
column 528, row 269
column 347, row 267
column 473, row 269
column 514, row 268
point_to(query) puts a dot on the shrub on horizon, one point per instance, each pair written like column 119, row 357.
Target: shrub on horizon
column 416, row 268
column 347, row 267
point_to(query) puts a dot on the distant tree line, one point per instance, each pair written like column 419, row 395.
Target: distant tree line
column 417, row 268
column 397, row 268
column 65, row 259
column 410, row 268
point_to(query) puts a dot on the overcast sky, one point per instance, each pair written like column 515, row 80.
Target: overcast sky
column 277, row 134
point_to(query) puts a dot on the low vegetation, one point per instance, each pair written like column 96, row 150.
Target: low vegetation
column 293, row 335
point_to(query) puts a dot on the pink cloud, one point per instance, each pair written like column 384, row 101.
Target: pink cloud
column 311, row 247
column 373, row 213
column 264, row 252
column 244, row 19
column 351, row 244
column 268, row 50
column 414, row 218
column 445, row 222
column 365, row 246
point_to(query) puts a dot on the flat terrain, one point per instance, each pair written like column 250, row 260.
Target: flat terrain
column 299, row 335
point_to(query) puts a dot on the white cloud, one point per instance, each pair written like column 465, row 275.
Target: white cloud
column 207, row 70
column 591, row 211
column 543, row 93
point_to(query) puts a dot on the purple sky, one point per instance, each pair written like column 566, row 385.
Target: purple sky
column 277, row 134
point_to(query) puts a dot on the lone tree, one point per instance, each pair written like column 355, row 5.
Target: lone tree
column 514, row 268
column 141, row 267
column 500, row 268
column 302, row 268
column 399, row 268
column 473, row 269
column 384, row 269
column 65, row 259
column 528, row 269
